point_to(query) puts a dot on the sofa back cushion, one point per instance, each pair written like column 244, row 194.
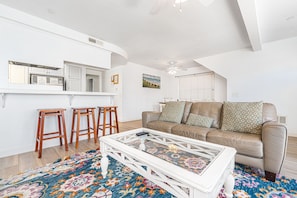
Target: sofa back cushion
column 173, row 112
column 242, row 117
column 187, row 110
column 208, row 109
column 269, row 112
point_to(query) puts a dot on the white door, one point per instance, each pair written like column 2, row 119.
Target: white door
column 93, row 80
column 73, row 78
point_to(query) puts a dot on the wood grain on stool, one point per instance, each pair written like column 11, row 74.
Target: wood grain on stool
column 77, row 113
column 41, row 135
column 104, row 111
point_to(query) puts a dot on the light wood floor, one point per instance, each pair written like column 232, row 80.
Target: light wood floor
column 290, row 165
column 15, row 164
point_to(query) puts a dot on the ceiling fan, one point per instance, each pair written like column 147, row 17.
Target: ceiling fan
column 160, row 4
column 173, row 68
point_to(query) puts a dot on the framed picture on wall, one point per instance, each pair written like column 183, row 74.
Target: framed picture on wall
column 115, row 79
column 151, row 81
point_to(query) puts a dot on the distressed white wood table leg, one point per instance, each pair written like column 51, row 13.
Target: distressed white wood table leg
column 104, row 160
column 229, row 186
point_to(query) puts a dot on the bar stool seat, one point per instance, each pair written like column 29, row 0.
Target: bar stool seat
column 105, row 110
column 41, row 135
column 77, row 113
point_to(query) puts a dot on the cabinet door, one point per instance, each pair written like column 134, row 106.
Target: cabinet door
column 18, row 74
column 74, row 78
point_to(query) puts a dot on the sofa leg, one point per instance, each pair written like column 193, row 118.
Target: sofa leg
column 270, row 176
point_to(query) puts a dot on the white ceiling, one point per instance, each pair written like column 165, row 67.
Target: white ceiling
column 203, row 28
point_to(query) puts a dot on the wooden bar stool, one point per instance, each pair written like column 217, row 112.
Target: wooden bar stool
column 41, row 135
column 107, row 110
column 77, row 113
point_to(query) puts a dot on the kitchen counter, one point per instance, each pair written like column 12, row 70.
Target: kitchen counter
column 50, row 92
column 19, row 115
column 70, row 94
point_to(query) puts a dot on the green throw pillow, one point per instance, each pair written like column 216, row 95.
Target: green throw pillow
column 198, row 120
column 173, row 112
column 242, row 117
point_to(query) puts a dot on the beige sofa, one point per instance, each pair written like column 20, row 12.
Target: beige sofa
column 265, row 150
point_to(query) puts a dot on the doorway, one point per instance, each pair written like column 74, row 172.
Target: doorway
column 82, row 78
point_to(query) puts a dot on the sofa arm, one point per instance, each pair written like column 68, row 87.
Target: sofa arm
column 275, row 138
column 148, row 116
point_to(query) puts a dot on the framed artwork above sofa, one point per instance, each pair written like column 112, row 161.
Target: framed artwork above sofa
column 150, row 81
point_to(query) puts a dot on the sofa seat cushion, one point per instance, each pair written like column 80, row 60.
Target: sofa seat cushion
column 194, row 132
column 161, row 125
column 245, row 143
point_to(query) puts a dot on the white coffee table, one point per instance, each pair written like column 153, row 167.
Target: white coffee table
column 183, row 166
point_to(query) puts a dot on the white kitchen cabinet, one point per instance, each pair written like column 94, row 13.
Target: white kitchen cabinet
column 18, row 74
column 47, row 71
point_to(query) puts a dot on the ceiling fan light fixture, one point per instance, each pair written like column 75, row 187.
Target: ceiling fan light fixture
column 172, row 62
column 172, row 72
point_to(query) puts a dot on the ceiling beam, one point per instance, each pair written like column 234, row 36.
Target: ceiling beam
column 249, row 16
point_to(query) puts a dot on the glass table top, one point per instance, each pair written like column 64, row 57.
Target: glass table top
column 194, row 157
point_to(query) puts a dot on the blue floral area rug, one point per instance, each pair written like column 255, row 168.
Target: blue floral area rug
column 80, row 176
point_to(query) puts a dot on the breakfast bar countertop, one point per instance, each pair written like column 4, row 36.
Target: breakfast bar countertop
column 53, row 92
column 18, row 114
column 70, row 94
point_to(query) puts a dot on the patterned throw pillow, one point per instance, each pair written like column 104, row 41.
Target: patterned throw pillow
column 242, row 117
column 173, row 112
column 198, row 120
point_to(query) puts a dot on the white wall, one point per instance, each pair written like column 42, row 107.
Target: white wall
column 21, row 40
column 27, row 43
column 132, row 97
column 108, row 86
column 269, row 75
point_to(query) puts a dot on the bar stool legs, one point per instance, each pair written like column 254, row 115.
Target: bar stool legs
column 107, row 110
column 76, row 117
column 41, row 135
